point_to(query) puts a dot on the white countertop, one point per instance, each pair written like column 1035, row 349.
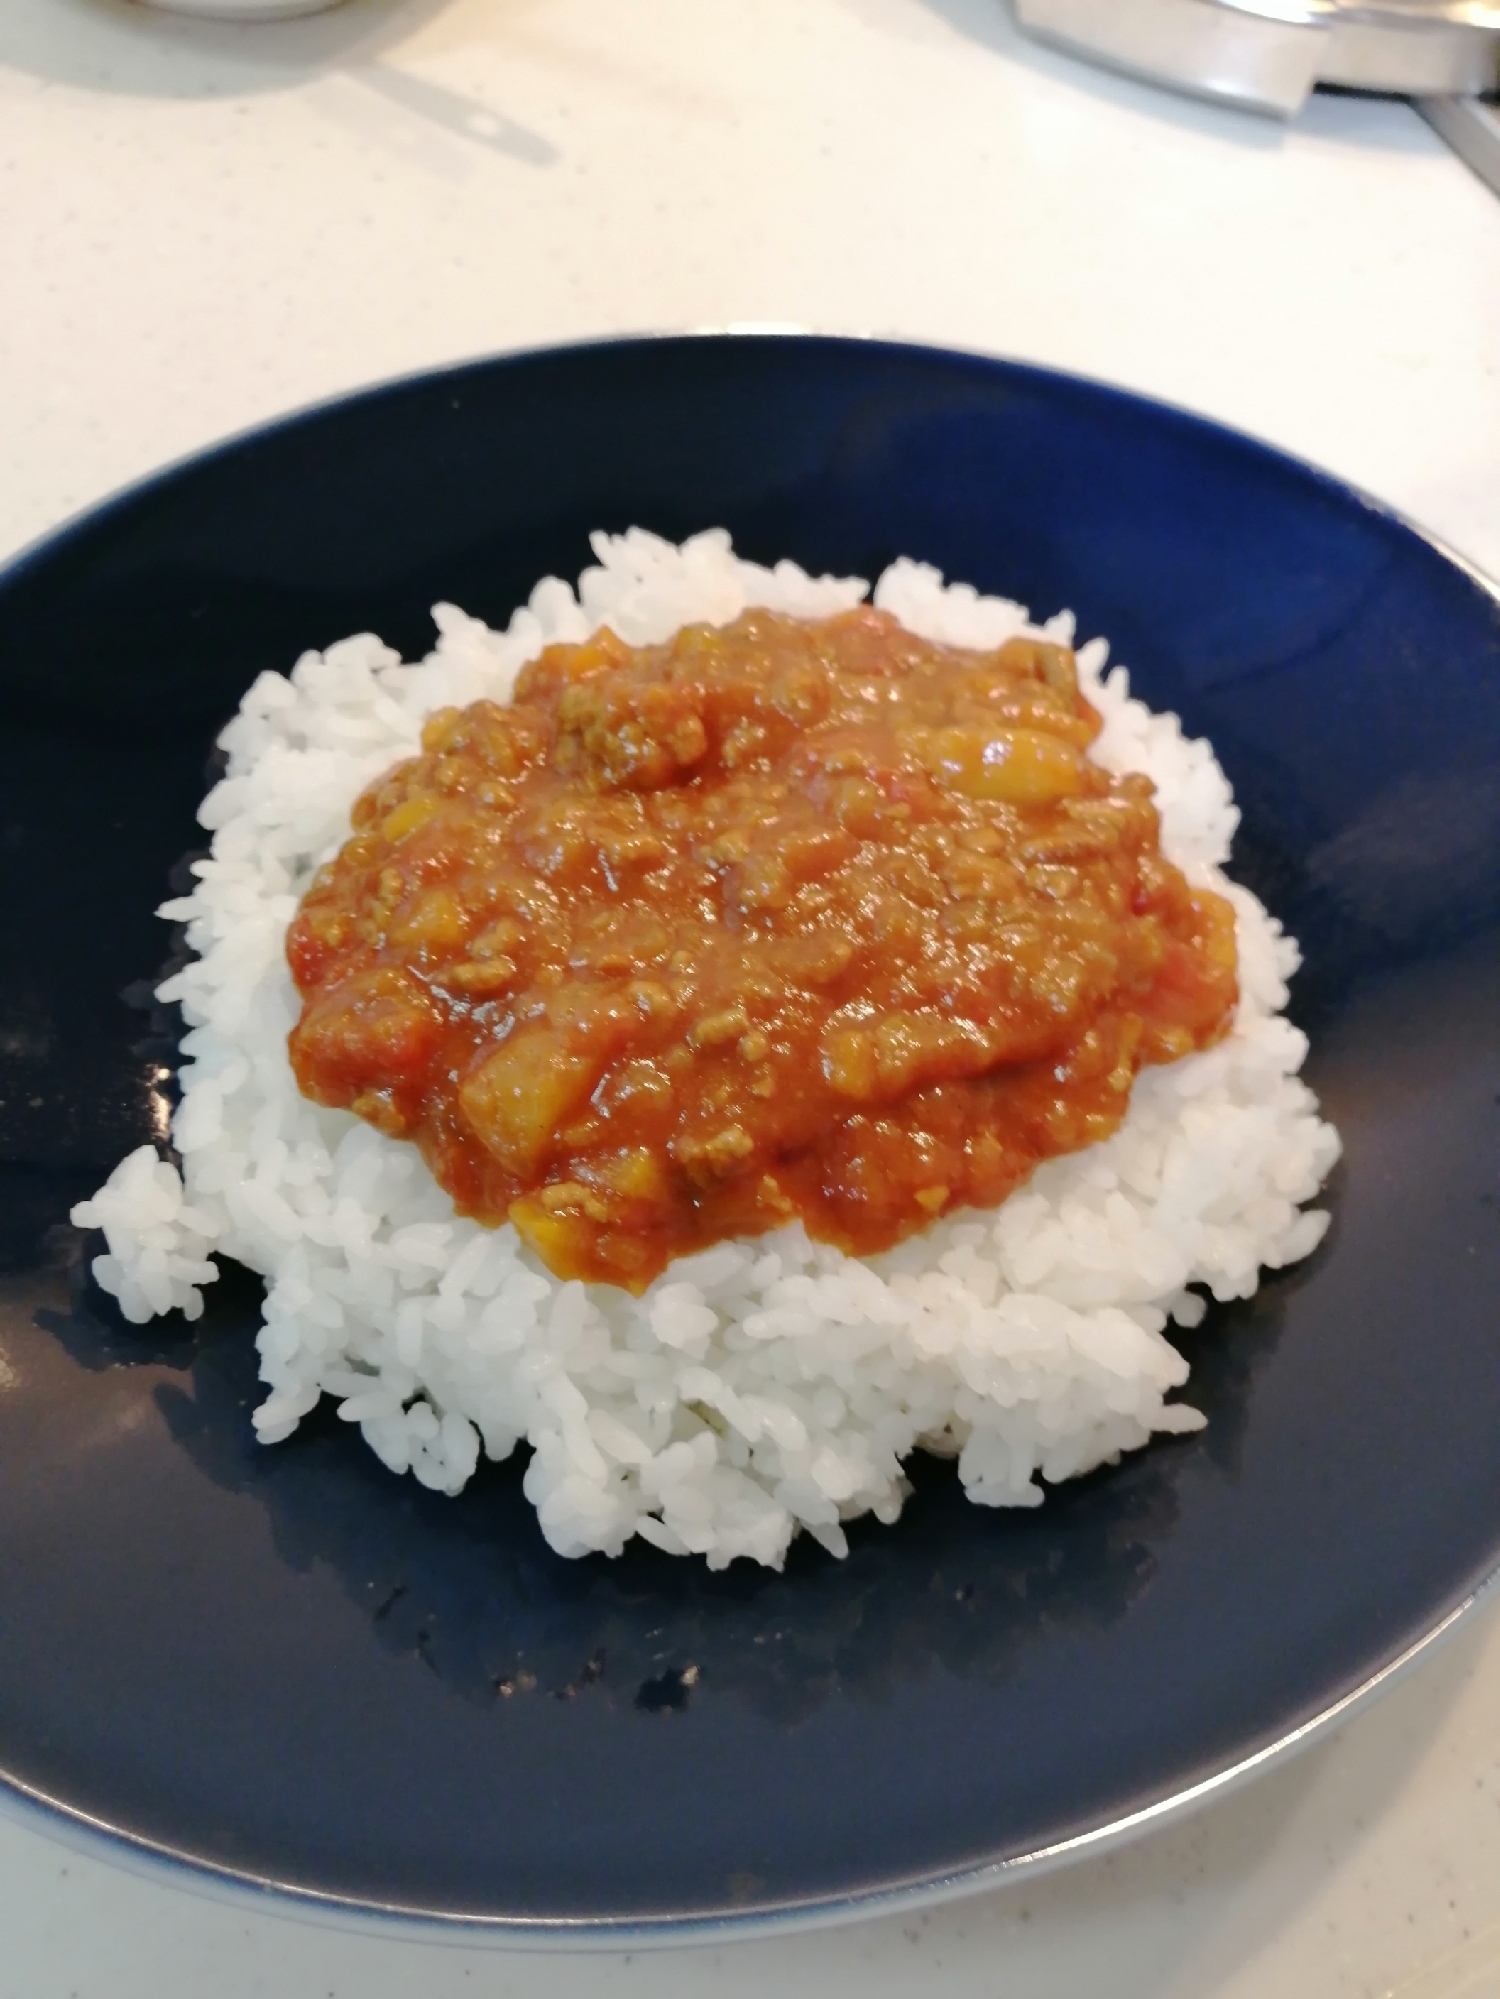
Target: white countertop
column 203, row 226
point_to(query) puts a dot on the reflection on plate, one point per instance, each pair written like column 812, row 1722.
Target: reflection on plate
column 287, row 1665
column 468, row 1587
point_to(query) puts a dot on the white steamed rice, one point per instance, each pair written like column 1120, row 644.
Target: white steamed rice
column 758, row 1386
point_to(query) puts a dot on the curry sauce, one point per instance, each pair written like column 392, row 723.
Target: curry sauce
column 783, row 919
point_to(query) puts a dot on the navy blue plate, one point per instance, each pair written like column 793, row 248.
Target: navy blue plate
column 290, row 1667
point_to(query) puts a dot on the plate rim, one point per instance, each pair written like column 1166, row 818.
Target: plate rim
column 173, row 1867
column 169, row 1865
column 119, row 498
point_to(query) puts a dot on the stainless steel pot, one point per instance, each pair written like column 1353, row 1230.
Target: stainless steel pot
column 1268, row 54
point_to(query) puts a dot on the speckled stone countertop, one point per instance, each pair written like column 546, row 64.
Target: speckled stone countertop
column 202, row 226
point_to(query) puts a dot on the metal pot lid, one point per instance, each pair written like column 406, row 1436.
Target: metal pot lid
column 1268, row 54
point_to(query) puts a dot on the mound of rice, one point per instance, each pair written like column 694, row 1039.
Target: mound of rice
column 759, row 1386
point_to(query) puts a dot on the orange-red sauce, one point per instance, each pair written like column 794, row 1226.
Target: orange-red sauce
column 784, row 919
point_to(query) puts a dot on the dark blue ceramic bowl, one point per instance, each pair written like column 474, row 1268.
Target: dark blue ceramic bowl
column 292, row 1668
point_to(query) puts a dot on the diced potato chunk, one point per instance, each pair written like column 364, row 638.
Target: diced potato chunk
column 573, row 1246
column 406, row 818
column 481, row 980
column 902, row 1051
column 377, row 1025
column 849, row 1062
column 518, row 1097
column 1002, row 766
column 435, row 922
column 564, row 1242
column 639, row 1174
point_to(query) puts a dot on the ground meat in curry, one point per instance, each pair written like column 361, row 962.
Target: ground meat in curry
column 785, row 919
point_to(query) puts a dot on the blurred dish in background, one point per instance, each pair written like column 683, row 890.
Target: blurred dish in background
column 1267, row 55
column 1471, row 126
column 244, row 10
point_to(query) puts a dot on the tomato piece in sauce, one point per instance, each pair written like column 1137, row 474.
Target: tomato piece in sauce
column 785, row 919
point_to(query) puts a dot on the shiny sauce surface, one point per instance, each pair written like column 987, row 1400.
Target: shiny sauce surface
column 783, row 919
